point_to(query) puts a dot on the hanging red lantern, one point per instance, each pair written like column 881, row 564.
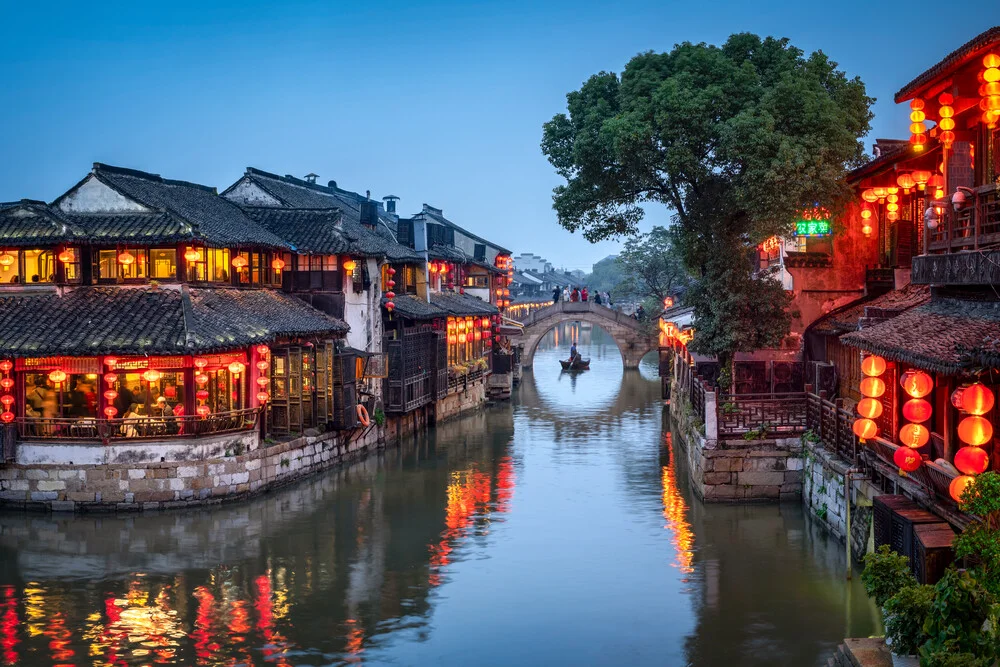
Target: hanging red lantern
column 873, row 365
column 975, row 430
column 462, row 338
column 865, row 429
column 947, row 122
column 263, row 350
column 349, row 265
column 6, row 365
column 57, row 376
column 7, row 417
column 390, row 283
column 389, row 305
column 972, row 460
column 452, row 339
column 170, row 391
column 262, row 396
column 485, row 322
column 262, row 381
column 200, row 362
column 110, row 395
column 6, row 259
column 432, row 267
column 126, row 258
column 918, row 128
column 906, row 182
column 201, row 394
column 110, row 378
column 7, row 400
column 236, row 368
column 262, row 365
column 277, row 264
column 869, row 408
column 66, row 256
column 6, row 383
column 201, row 378
column 958, row 486
column 914, row 435
column 110, row 362
column 152, row 375
column 391, row 271
column 872, row 387
column 192, row 255
column 240, row 262
column 203, row 410
column 976, row 399
column 916, row 383
column 110, row 411
column 907, row 459
column 917, row 410
column 390, row 295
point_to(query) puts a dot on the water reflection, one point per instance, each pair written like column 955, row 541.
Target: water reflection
column 557, row 530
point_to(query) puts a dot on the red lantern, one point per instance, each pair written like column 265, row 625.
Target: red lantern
column 263, row 350
column 192, row 255
column 389, row 305
column 110, row 395
column 110, row 362
column 57, row 376
column 236, row 368
column 170, row 391
column 976, row 399
column 6, row 365
column 66, row 256
column 201, row 378
column 916, row 383
column 277, row 264
column 200, row 362
column 872, row 387
column 865, row 429
column 262, row 396
column 110, row 411
column 390, row 295
column 958, row 486
column 873, row 366
column 349, row 265
column 917, row 410
column 203, row 410
column 126, row 258
column 262, row 366
column 110, row 378
column 485, row 322
column 391, row 271
column 452, row 339
column 914, row 435
column 7, row 400
column 262, row 381
column 975, row 431
column 972, row 460
column 152, row 375
column 907, row 459
column 201, row 394
column 869, row 408
column 7, row 417
column 240, row 262
column 6, row 383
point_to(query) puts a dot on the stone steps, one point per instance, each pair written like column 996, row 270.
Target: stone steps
column 868, row 652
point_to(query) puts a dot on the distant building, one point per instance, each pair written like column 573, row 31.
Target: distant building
column 528, row 261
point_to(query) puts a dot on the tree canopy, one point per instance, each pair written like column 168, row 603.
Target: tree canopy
column 651, row 266
column 735, row 140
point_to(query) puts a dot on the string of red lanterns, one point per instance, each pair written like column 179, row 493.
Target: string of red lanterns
column 7, row 399
column 989, row 90
column 870, row 408
column 918, row 128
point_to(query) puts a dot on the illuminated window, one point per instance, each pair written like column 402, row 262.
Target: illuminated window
column 110, row 269
column 163, row 263
column 39, row 266
column 218, row 264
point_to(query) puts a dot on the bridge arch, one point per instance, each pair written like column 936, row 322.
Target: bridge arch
column 633, row 338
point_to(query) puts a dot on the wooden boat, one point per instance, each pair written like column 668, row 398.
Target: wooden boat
column 578, row 364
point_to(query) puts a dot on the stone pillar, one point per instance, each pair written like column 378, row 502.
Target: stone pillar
column 711, row 416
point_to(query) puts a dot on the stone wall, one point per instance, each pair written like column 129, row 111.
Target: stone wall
column 823, row 495
column 145, row 485
column 737, row 470
column 461, row 399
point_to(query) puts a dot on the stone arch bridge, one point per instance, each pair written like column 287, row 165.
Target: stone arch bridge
column 635, row 339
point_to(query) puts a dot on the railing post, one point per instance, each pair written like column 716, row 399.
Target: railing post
column 711, row 416
column 819, row 426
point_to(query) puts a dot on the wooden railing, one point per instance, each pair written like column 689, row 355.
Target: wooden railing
column 974, row 227
column 142, row 428
column 767, row 414
column 833, row 425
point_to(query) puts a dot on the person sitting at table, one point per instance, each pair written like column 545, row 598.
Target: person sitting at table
column 163, row 410
column 131, row 418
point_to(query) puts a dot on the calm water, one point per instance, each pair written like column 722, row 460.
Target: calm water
column 557, row 530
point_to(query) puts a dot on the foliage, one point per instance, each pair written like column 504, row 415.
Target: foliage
column 957, row 617
column 651, row 267
column 822, row 512
column 885, row 574
column 946, row 659
column 905, row 613
column 757, row 433
column 735, row 140
column 810, row 436
column 980, row 541
column 607, row 275
column 725, row 379
column 379, row 417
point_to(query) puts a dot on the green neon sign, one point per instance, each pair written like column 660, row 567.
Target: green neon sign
column 812, row 228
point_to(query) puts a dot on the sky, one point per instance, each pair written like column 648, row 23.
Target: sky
column 436, row 102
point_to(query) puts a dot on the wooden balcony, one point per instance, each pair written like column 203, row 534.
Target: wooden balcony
column 965, row 247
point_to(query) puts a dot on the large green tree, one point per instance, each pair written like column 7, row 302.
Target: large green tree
column 735, row 140
column 651, row 266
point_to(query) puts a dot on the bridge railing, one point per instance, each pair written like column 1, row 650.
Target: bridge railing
column 571, row 307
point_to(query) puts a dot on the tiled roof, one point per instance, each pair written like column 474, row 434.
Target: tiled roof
column 104, row 320
column 933, row 336
column 892, row 152
column 213, row 218
column 137, row 227
column 462, row 304
column 447, row 253
column 307, row 230
column 976, row 46
column 414, row 308
column 437, row 215
column 846, row 319
column 29, row 223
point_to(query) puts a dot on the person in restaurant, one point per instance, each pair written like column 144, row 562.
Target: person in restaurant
column 77, row 401
column 131, row 423
column 124, row 401
column 555, row 295
column 164, row 411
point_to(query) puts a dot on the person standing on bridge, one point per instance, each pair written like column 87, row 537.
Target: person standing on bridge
column 574, row 296
column 583, row 293
column 597, row 298
column 555, row 295
column 565, row 293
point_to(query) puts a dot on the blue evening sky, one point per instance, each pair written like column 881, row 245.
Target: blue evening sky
column 439, row 102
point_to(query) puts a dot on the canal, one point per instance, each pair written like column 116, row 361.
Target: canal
column 556, row 529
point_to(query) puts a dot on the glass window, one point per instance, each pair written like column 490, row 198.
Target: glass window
column 481, row 281
column 330, row 263
column 163, row 263
column 218, row 265
column 197, row 269
column 315, row 262
column 39, row 266
column 111, row 268
column 71, row 268
column 409, row 279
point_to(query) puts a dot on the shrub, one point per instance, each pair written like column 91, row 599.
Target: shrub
column 905, row 613
column 379, row 417
column 957, row 617
column 980, row 541
column 886, row 573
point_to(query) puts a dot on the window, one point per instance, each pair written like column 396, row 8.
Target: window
column 75, row 397
column 330, row 263
column 163, row 263
column 110, row 269
column 409, row 279
column 39, row 266
column 71, row 269
column 480, row 281
column 218, row 265
column 196, row 269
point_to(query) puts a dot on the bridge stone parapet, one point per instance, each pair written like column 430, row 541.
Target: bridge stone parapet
column 634, row 338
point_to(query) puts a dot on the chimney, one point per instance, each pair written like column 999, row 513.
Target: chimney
column 331, row 184
column 390, row 203
column 311, row 178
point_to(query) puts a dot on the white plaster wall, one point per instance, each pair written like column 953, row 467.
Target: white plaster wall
column 483, row 294
column 94, row 196
column 363, row 313
column 248, row 192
